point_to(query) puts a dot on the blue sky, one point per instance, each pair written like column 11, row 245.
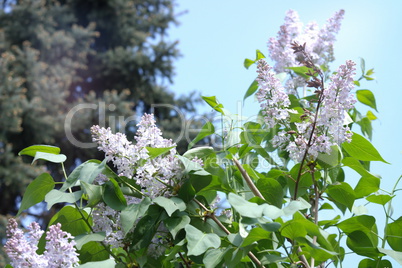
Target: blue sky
column 215, row 36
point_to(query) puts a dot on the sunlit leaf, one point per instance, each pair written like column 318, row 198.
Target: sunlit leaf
column 381, row 199
column 155, row 152
column 56, row 196
column 393, row 254
column 54, row 158
column 251, row 89
column 213, row 102
column 199, row 242
column 206, row 130
column 81, row 240
column 366, row 97
column 32, row 150
column 361, row 149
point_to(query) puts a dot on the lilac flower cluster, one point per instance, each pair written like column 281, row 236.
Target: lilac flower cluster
column 271, row 95
column 330, row 128
column 21, row 249
column 133, row 160
column 319, row 44
column 327, row 121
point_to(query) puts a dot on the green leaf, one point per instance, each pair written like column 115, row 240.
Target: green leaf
column 36, row 191
column 356, row 166
column 87, row 172
column 259, row 55
column 361, row 149
column 300, row 71
column 199, row 242
column 362, row 235
column 99, row 264
column 191, row 167
column 367, row 185
column 363, row 65
column 271, row 190
column 155, row 152
column 132, row 212
column 342, row 193
column 332, row 159
column 394, row 234
column 253, row 210
column 56, row 196
column 213, row 257
column 360, row 243
column 251, row 89
column 371, row 116
column 370, row 72
column 369, row 263
column 366, row 97
column 170, row 205
column 71, row 220
column 54, row 158
column 94, row 193
column 247, row 63
column 363, row 223
column 293, row 229
column 81, row 240
column 295, row 205
column 93, row 254
column 206, row 130
column 256, row 234
column 393, row 254
column 113, row 196
column 199, row 152
column 32, row 150
column 175, row 224
column 381, row 199
column 213, row 102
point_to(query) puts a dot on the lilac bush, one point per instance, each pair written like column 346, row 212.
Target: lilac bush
column 222, row 207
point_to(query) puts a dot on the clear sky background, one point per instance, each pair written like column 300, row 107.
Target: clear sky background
column 217, row 35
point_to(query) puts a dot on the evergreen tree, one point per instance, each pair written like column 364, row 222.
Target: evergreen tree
column 110, row 56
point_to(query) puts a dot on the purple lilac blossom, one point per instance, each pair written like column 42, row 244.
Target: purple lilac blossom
column 329, row 127
column 60, row 250
column 21, row 248
column 271, row 95
column 319, row 44
column 151, row 174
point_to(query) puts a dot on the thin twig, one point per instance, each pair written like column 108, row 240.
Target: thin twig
column 184, row 260
column 217, row 221
column 315, row 209
column 248, row 180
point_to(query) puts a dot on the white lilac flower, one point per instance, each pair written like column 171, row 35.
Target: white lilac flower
column 279, row 48
column 319, row 44
column 107, row 220
column 156, row 175
column 21, row 248
column 60, row 251
column 337, row 100
column 271, row 95
column 329, row 127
